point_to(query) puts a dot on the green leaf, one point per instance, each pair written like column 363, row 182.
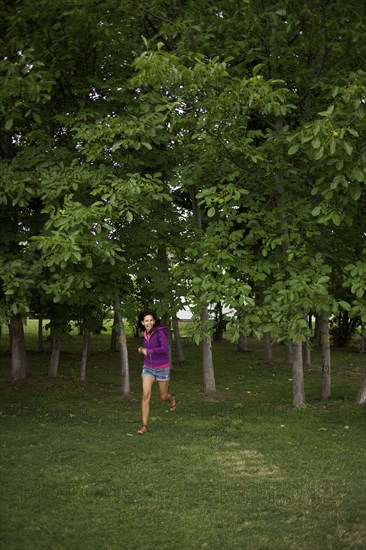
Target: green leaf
column 211, row 212
column 8, row 124
column 316, row 142
column 348, row 147
column 345, row 305
column 356, row 191
column 332, row 146
column 293, row 149
column 37, row 117
column 319, row 154
column 328, row 112
column 336, row 218
column 258, row 68
column 116, row 145
column 358, row 174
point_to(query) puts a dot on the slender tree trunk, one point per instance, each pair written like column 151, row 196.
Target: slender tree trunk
column 206, row 345
column 55, row 355
column 280, row 190
column 267, row 340
column 122, row 344
column 243, row 343
column 10, row 340
column 361, row 395
column 166, row 322
column 114, row 333
column 317, row 335
column 306, row 354
column 40, row 335
column 326, row 362
column 243, row 340
column 84, row 358
column 362, row 339
column 178, row 340
column 298, row 375
column 208, row 370
column 289, row 353
column 219, row 326
column 19, row 363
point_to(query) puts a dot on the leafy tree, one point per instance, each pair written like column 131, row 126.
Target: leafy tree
column 267, row 129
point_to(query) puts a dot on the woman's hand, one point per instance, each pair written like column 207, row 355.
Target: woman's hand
column 142, row 350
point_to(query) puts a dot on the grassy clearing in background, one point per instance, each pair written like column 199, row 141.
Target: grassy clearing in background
column 238, row 469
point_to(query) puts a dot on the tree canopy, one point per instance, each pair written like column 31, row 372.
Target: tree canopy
column 208, row 150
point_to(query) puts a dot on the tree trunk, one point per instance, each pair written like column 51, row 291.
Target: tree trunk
column 40, row 335
column 10, row 340
column 243, row 343
column 178, row 340
column 317, row 335
column 267, row 340
column 114, row 333
column 208, row 370
column 219, row 323
column 289, row 353
column 326, row 364
column 298, row 375
column 362, row 338
column 306, row 354
column 84, row 358
column 361, row 395
column 243, row 339
column 19, row 363
column 55, row 355
column 206, row 345
column 122, row 345
column 166, row 322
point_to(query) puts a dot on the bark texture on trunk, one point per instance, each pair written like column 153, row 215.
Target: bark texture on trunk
column 85, row 354
column 208, row 370
column 206, row 344
column 19, row 362
column 55, row 356
column 243, row 339
column 114, row 333
column 289, row 353
column 178, row 340
column 361, row 395
column 267, row 340
column 40, row 335
column 326, row 360
column 298, row 375
column 243, row 343
column 306, row 354
column 122, row 345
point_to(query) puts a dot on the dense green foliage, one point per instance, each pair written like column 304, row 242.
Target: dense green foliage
column 117, row 118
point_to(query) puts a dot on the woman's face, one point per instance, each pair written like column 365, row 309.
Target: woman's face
column 148, row 322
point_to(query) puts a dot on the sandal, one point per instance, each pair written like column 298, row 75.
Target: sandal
column 142, row 430
column 173, row 404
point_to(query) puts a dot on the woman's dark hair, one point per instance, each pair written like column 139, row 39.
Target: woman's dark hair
column 142, row 316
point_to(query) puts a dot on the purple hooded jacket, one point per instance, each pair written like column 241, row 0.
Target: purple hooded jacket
column 157, row 346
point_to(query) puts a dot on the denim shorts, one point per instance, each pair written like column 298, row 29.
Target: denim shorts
column 160, row 375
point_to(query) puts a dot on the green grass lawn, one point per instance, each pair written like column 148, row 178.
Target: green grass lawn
column 240, row 469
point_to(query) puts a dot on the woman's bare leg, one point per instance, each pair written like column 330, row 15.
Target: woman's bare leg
column 165, row 395
column 147, row 384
